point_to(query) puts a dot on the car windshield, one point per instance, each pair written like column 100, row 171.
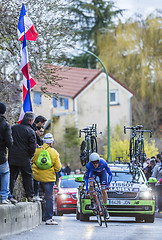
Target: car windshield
column 69, row 183
column 128, row 177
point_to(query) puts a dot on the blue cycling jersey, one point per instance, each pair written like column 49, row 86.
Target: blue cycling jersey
column 99, row 171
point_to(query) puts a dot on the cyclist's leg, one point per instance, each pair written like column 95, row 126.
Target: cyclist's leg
column 91, row 188
column 104, row 195
column 104, row 183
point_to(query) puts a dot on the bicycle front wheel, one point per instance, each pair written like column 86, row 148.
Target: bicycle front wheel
column 102, row 208
column 99, row 218
column 104, row 214
column 99, row 209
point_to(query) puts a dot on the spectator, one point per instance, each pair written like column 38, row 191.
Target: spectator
column 62, row 171
column 152, row 164
column 38, row 126
column 47, row 177
column 157, row 173
column 158, row 158
column 148, row 169
column 21, row 153
column 5, row 142
column 157, row 170
column 77, row 171
column 67, row 169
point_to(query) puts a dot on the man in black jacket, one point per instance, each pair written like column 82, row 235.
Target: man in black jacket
column 21, row 153
column 38, row 126
column 5, row 142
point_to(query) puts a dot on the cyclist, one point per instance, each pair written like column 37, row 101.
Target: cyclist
column 97, row 166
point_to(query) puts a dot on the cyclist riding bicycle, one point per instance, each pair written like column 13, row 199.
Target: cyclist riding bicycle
column 97, row 167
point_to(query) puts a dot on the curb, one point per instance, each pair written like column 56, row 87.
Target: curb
column 20, row 217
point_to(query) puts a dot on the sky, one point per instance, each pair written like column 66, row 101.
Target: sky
column 138, row 6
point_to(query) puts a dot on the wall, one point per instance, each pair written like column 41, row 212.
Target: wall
column 20, row 217
column 92, row 105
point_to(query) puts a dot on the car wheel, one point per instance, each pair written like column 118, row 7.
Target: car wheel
column 84, row 217
column 149, row 219
column 77, row 214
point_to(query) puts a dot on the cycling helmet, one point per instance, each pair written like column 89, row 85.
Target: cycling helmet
column 94, row 157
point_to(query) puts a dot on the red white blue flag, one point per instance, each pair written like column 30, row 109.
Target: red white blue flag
column 28, row 82
column 26, row 26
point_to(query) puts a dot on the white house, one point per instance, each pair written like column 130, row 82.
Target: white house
column 82, row 100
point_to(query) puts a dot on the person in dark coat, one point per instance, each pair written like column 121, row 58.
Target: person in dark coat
column 21, row 153
column 67, row 169
column 5, row 142
column 38, row 126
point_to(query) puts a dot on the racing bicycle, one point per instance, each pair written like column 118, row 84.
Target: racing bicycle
column 136, row 149
column 89, row 144
column 100, row 209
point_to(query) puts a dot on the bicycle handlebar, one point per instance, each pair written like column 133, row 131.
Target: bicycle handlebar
column 89, row 130
column 139, row 129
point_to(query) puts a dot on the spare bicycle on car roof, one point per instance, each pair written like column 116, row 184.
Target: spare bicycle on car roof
column 136, row 147
column 89, row 144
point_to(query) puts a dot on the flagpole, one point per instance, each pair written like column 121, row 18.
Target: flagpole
column 108, row 111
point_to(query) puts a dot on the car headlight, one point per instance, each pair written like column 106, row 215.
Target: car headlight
column 145, row 195
column 65, row 196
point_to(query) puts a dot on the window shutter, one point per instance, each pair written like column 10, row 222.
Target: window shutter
column 66, row 103
column 37, row 98
column 54, row 102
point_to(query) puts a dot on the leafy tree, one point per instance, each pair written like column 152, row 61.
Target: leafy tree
column 89, row 18
column 54, row 35
column 132, row 52
column 69, row 148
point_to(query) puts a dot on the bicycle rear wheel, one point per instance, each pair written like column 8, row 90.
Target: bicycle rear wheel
column 84, row 153
column 93, row 144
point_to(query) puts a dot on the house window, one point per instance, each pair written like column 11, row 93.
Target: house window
column 61, row 103
column 114, row 97
column 37, row 98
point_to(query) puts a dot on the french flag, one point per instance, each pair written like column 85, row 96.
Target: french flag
column 28, row 82
column 26, row 26
column 26, row 31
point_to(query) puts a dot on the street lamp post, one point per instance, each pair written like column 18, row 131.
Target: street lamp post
column 108, row 111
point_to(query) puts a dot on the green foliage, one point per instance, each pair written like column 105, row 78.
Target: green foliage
column 69, row 148
column 91, row 16
column 131, row 52
column 150, row 148
column 71, row 137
